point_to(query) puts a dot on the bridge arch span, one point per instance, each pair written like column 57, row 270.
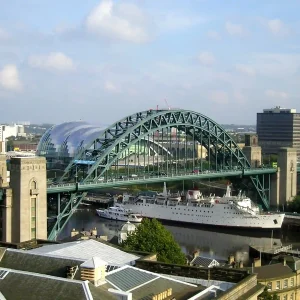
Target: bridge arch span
column 122, row 135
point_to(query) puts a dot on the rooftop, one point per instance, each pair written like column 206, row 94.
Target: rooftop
column 87, row 249
column 272, row 271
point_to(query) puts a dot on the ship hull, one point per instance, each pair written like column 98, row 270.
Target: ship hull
column 221, row 215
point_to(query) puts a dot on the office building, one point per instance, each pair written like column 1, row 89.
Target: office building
column 278, row 127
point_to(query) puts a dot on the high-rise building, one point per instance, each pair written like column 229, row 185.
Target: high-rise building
column 278, row 127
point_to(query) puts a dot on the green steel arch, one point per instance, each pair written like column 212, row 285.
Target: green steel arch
column 112, row 142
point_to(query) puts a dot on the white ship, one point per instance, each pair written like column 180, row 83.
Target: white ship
column 119, row 213
column 230, row 211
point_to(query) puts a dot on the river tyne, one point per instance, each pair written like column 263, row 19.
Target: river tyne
column 209, row 241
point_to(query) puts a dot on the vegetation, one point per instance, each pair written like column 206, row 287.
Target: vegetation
column 294, row 205
column 152, row 236
column 265, row 295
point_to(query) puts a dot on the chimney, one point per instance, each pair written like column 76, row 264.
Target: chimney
column 284, row 261
column 94, row 270
column 257, row 262
column 74, row 232
column 196, row 254
column 230, row 259
column 94, row 231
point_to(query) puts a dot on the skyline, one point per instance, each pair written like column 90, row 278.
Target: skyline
column 99, row 61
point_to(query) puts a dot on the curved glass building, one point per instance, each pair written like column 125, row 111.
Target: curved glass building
column 61, row 143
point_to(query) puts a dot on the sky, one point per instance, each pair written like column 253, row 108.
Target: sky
column 100, row 61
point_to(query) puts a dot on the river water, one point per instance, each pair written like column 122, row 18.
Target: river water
column 209, row 241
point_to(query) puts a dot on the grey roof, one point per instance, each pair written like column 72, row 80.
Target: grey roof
column 272, row 271
column 87, row 249
column 202, row 261
column 94, row 263
column 129, row 278
column 25, row 261
column 144, row 284
column 19, row 285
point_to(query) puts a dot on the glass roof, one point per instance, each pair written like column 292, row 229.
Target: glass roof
column 67, row 138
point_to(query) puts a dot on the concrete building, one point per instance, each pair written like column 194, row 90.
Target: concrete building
column 281, row 276
column 278, row 127
column 23, row 202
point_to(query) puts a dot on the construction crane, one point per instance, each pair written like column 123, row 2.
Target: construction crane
column 168, row 106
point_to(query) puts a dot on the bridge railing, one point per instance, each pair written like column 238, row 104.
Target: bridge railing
column 152, row 176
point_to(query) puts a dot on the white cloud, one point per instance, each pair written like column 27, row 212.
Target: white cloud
column 175, row 21
column 3, row 34
column 214, row 35
column 54, row 61
column 9, row 78
column 120, row 21
column 109, row 86
column 245, row 69
column 276, row 94
column 234, row 29
column 219, row 97
column 277, row 27
column 239, row 96
column 206, row 58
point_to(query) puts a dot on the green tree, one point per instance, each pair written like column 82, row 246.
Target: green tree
column 294, row 205
column 152, row 236
column 265, row 295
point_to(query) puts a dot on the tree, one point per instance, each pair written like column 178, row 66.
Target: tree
column 152, row 236
column 294, row 205
column 265, row 295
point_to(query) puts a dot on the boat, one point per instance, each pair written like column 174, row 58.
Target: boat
column 119, row 213
column 227, row 211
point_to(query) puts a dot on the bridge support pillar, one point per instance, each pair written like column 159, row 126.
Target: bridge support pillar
column 287, row 161
column 274, row 190
column 253, row 154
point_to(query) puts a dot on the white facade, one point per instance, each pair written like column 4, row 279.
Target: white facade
column 11, row 130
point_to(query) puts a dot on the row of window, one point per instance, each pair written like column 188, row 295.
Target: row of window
column 284, row 286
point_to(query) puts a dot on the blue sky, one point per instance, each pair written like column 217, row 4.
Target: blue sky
column 102, row 60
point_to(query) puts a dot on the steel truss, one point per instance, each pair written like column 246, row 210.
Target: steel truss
column 114, row 143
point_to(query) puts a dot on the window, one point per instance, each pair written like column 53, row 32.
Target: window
column 292, row 282
column 33, row 218
column 285, row 283
column 277, row 285
column 292, row 296
column 285, row 297
column 269, row 286
column 33, row 185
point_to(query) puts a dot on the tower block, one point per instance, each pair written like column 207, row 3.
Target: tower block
column 29, row 206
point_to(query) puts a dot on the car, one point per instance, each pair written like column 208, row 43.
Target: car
column 133, row 175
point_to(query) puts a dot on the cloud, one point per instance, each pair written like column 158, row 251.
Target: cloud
column 206, row 58
column 9, row 78
column 239, row 96
column 109, row 86
column 119, row 21
column 245, row 69
column 214, row 35
column 234, row 29
column 219, row 97
column 54, row 61
column 276, row 94
column 277, row 27
column 3, row 34
column 175, row 21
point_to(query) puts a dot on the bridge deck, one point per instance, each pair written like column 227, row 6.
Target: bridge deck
column 72, row 187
